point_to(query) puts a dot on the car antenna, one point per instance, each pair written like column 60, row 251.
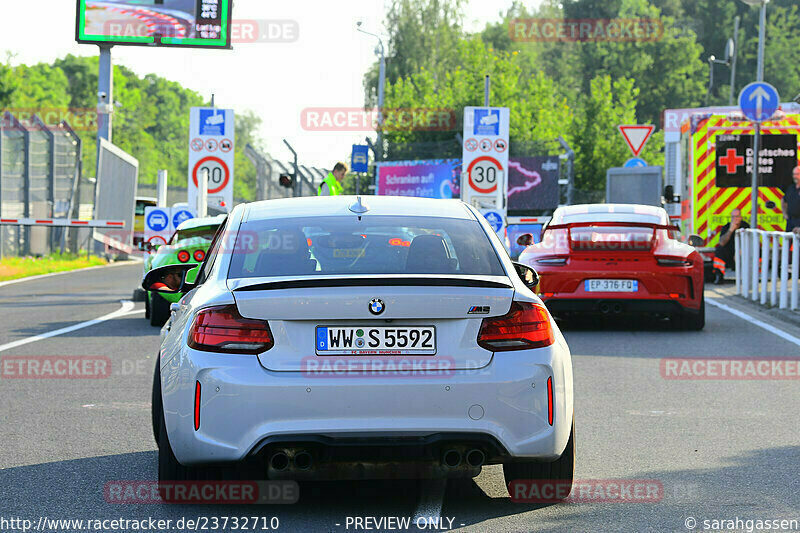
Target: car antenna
column 359, row 207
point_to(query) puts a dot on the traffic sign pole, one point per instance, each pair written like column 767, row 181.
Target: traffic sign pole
column 754, row 184
column 758, row 101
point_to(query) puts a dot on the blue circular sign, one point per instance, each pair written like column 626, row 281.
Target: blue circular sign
column 635, row 162
column 157, row 220
column 180, row 217
column 495, row 220
column 759, row 101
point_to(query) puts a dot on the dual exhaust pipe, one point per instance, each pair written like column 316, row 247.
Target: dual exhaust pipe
column 608, row 308
column 301, row 460
column 473, row 458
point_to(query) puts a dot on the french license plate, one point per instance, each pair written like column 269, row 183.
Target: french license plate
column 611, row 285
column 376, row 340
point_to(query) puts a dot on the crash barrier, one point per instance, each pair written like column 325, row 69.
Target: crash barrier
column 62, row 223
column 767, row 261
column 39, row 178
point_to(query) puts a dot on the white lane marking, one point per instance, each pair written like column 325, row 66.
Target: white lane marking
column 51, row 274
column 756, row 322
column 126, row 308
column 431, row 499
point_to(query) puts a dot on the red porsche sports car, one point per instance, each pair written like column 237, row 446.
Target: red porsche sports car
column 617, row 258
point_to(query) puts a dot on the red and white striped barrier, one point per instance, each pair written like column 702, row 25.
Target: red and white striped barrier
column 62, row 222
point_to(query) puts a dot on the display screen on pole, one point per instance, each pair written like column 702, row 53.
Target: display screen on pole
column 181, row 23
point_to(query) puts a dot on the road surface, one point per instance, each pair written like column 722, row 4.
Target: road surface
column 720, row 449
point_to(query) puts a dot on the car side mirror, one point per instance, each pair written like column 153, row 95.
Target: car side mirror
column 528, row 275
column 526, row 239
column 170, row 279
column 697, row 241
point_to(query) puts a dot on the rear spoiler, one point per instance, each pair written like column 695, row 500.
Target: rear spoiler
column 668, row 227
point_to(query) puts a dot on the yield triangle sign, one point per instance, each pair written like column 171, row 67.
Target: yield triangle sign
column 636, row 136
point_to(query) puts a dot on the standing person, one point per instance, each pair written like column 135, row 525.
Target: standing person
column 331, row 185
column 790, row 204
column 725, row 253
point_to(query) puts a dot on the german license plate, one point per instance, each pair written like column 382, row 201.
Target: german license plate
column 611, row 285
column 376, row 340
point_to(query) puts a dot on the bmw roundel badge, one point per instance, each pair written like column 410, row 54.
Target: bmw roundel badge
column 376, row 306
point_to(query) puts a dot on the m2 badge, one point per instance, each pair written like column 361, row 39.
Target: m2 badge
column 479, row 310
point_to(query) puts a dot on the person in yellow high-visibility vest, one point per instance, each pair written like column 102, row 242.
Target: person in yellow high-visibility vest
column 331, row 185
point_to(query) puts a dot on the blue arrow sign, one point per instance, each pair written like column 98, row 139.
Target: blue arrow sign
column 759, row 101
column 635, row 162
column 360, row 159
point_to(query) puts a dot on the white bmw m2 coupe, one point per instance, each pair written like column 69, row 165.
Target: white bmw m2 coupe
column 360, row 337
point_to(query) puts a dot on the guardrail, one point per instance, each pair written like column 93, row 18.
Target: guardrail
column 764, row 261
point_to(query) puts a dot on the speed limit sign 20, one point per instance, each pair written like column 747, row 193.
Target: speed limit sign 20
column 218, row 173
column 483, row 174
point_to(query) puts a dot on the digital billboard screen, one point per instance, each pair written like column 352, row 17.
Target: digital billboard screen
column 438, row 178
column 181, row 23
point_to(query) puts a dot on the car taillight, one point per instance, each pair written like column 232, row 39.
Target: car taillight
column 183, row 256
column 223, row 330
column 673, row 261
column 199, row 255
column 526, row 326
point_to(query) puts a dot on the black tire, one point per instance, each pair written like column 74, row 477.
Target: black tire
column 695, row 321
column 147, row 305
column 159, row 310
column 155, row 402
column 561, row 471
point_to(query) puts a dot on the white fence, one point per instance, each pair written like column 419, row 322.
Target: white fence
column 765, row 260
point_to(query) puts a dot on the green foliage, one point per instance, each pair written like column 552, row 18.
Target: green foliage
column 580, row 91
column 151, row 123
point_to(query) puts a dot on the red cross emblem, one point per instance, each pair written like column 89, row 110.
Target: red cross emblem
column 731, row 161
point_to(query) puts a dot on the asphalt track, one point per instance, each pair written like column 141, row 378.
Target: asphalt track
column 721, row 449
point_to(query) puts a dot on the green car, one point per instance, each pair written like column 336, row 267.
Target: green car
column 188, row 244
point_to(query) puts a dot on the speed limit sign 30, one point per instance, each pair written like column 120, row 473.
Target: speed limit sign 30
column 483, row 174
column 218, row 173
column 483, row 182
column 213, row 131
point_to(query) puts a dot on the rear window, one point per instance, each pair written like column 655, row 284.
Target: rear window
column 205, row 232
column 141, row 205
column 611, row 238
column 374, row 245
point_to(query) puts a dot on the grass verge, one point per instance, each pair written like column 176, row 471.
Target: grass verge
column 23, row 267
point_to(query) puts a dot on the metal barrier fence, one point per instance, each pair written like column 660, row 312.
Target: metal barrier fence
column 39, row 173
column 765, row 262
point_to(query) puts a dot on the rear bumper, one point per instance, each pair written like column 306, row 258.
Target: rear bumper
column 246, row 409
column 614, row 306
